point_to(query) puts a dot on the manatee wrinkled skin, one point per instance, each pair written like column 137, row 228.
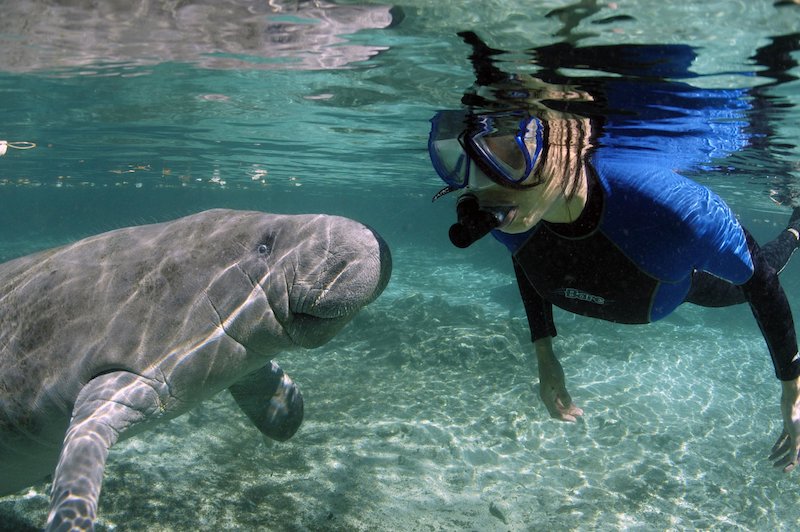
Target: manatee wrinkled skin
column 106, row 337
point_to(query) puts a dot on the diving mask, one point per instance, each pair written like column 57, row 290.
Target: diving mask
column 504, row 145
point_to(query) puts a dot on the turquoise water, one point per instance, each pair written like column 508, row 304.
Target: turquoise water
column 423, row 414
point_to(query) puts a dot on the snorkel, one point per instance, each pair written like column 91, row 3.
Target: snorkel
column 474, row 223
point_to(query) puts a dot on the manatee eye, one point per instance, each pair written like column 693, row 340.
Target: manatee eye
column 263, row 249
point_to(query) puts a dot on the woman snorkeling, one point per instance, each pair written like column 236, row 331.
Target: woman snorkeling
column 606, row 233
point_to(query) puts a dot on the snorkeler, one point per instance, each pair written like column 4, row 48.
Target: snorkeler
column 607, row 234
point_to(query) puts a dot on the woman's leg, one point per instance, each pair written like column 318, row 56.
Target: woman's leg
column 778, row 251
column 771, row 310
column 710, row 291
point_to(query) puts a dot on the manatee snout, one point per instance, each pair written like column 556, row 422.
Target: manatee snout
column 385, row 271
column 357, row 269
column 333, row 278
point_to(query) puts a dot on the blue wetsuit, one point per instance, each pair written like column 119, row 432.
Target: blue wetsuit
column 647, row 240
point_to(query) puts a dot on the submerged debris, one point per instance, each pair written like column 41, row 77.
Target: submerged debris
column 497, row 511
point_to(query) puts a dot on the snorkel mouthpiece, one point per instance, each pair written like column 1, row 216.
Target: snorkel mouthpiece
column 473, row 222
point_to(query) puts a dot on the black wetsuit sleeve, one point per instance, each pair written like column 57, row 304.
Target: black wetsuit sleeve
column 771, row 309
column 539, row 311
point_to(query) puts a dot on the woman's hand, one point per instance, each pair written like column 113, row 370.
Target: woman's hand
column 786, row 451
column 552, row 388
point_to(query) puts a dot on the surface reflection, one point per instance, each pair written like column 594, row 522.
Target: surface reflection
column 48, row 34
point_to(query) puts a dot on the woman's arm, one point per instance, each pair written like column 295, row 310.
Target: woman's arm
column 771, row 309
column 552, row 388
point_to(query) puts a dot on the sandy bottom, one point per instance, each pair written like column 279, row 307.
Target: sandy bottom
column 424, row 415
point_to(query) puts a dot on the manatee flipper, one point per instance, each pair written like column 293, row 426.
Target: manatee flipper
column 271, row 400
column 106, row 406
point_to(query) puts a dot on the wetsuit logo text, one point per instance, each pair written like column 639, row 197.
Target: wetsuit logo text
column 573, row 293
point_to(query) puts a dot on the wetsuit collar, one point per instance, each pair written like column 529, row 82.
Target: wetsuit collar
column 589, row 218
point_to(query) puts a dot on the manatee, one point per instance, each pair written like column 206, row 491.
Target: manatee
column 111, row 335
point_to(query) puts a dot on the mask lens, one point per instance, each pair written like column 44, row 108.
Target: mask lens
column 450, row 162
column 507, row 155
column 509, row 145
column 446, row 149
